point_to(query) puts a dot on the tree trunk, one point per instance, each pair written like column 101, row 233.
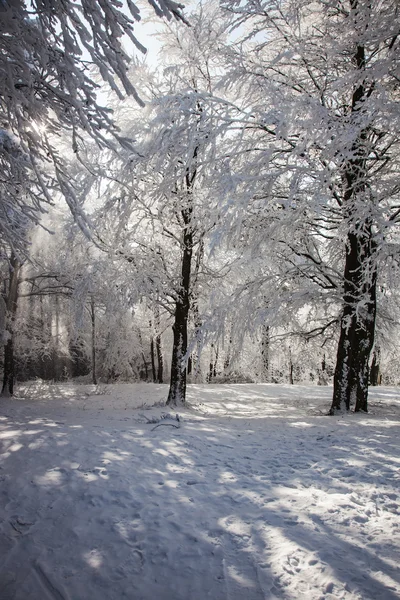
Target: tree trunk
column 356, row 340
column 160, row 360
column 291, row 378
column 228, row 355
column 93, row 322
column 11, row 304
column 322, row 376
column 374, row 370
column 153, row 361
column 196, row 354
column 177, row 389
column 216, row 361
column 357, row 326
column 159, row 353
column 211, row 367
column 265, row 342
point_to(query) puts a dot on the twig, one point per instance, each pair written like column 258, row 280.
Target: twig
column 170, row 424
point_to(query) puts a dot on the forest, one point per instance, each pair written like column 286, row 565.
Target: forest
column 199, row 307
column 227, row 211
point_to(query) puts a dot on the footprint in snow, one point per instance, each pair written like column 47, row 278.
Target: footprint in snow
column 21, row 525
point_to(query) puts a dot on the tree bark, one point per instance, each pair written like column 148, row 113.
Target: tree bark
column 265, row 343
column 11, row 304
column 374, row 370
column 357, row 330
column 159, row 352
column 160, row 360
column 177, row 389
column 212, row 368
column 291, row 368
column 357, row 326
column 153, row 361
column 196, row 354
column 93, row 323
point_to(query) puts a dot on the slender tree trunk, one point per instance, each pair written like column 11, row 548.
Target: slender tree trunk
column 291, row 378
column 374, row 370
column 159, row 352
column 57, row 367
column 9, row 368
column 322, row 376
column 160, row 360
column 216, row 361
column 153, row 361
column 177, row 390
column 211, row 364
column 11, row 304
column 93, row 322
column 228, row 355
column 265, row 343
column 196, row 355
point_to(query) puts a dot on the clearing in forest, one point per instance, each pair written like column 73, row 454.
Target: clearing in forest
column 253, row 495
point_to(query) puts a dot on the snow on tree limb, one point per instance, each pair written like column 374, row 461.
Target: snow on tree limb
column 48, row 53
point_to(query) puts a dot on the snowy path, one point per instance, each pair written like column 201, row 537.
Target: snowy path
column 256, row 497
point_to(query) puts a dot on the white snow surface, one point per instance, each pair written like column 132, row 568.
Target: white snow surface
column 256, row 496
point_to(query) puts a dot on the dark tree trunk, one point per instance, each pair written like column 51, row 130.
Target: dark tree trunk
column 156, row 349
column 374, row 370
column 93, row 323
column 159, row 352
column 9, row 366
column 177, row 389
column 265, row 342
column 357, row 327
column 11, row 304
column 216, row 361
column 356, row 333
column 160, row 360
column 212, row 368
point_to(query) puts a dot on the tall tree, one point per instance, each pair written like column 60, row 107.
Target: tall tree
column 166, row 184
column 318, row 91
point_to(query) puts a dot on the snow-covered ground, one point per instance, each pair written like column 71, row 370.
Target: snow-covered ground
column 256, row 496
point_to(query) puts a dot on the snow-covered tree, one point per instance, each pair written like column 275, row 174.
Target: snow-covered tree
column 50, row 53
column 317, row 84
column 163, row 204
